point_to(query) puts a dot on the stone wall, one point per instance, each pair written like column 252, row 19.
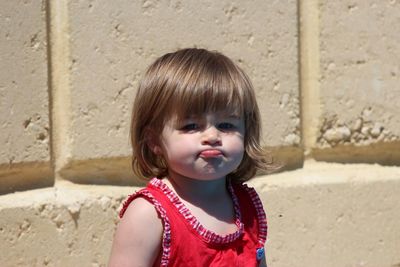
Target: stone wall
column 327, row 78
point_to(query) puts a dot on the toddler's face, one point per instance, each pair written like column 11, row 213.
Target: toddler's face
column 205, row 147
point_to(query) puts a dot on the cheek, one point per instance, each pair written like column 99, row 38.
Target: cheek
column 178, row 148
column 240, row 152
column 236, row 143
column 237, row 151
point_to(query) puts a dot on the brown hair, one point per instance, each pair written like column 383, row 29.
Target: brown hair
column 193, row 81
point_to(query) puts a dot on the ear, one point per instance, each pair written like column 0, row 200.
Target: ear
column 153, row 142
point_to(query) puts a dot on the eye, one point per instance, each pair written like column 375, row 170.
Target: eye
column 189, row 127
column 226, row 126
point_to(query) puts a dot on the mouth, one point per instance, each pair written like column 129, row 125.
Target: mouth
column 210, row 153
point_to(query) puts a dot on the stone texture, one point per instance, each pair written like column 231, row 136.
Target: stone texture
column 24, row 108
column 333, row 215
column 336, row 215
column 66, row 226
column 360, row 73
column 113, row 43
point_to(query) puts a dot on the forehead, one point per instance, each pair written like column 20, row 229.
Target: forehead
column 223, row 113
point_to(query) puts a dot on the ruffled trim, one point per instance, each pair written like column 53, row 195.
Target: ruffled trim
column 166, row 241
column 207, row 235
column 261, row 217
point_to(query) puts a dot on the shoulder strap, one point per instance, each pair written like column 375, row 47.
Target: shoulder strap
column 261, row 217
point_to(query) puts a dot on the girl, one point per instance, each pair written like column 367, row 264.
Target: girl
column 195, row 131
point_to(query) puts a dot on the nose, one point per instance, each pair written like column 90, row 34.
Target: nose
column 211, row 136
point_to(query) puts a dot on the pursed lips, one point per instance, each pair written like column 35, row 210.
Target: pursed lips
column 210, row 153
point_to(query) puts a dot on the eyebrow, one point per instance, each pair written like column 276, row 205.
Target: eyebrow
column 230, row 115
column 234, row 116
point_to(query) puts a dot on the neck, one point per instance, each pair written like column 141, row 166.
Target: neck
column 195, row 190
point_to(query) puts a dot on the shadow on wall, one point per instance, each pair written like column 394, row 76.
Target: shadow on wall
column 387, row 154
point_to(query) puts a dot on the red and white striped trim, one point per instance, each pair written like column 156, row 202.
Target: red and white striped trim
column 209, row 236
column 261, row 217
column 166, row 242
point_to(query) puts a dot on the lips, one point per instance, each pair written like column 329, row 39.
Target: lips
column 210, row 153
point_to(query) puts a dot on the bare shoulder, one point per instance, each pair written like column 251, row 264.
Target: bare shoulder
column 137, row 240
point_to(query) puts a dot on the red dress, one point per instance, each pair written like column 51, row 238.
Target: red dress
column 187, row 243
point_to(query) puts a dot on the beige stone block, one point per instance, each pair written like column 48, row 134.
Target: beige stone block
column 65, row 226
column 359, row 44
column 112, row 44
column 333, row 215
column 24, row 99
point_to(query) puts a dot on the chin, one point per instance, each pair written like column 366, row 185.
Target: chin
column 208, row 176
column 203, row 174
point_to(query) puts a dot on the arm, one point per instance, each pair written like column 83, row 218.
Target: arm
column 137, row 240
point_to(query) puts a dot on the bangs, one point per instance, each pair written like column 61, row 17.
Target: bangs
column 214, row 85
column 212, row 97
